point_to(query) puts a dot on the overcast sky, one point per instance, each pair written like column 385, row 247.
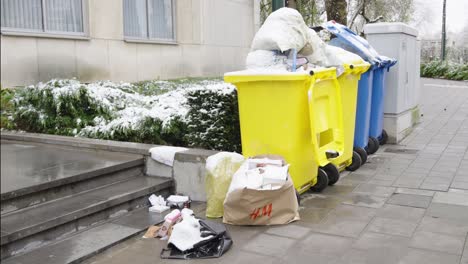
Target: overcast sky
column 428, row 15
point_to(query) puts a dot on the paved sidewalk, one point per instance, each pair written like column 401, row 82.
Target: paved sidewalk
column 409, row 204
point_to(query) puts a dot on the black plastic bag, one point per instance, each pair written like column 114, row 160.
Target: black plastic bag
column 215, row 247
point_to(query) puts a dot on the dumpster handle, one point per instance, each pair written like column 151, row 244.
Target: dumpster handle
column 336, row 86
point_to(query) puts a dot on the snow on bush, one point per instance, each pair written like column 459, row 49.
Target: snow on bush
column 446, row 70
column 158, row 112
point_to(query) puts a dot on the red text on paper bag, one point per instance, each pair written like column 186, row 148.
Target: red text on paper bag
column 262, row 211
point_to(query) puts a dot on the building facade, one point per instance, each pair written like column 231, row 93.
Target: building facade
column 123, row 40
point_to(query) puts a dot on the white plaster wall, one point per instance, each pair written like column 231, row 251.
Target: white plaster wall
column 213, row 36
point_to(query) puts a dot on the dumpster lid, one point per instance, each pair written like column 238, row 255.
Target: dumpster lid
column 350, row 41
column 279, row 75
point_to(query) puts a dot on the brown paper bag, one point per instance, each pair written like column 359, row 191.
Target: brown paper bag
column 262, row 207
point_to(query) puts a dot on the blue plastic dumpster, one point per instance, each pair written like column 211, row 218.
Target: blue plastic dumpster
column 369, row 131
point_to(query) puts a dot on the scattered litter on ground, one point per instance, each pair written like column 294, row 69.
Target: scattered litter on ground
column 158, row 204
column 193, row 238
column 178, row 201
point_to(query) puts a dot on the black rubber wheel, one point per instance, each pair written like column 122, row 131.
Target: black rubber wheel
column 357, row 162
column 322, row 181
column 383, row 138
column 298, row 196
column 363, row 153
column 373, row 145
column 332, row 172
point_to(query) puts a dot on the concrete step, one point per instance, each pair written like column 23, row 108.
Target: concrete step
column 60, row 188
column 38, row 225
column 87, row 243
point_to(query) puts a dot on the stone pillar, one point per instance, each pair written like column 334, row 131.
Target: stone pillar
column 402, row 84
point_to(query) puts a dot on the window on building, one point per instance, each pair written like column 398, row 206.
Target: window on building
column 149, row 20
column 43, row 16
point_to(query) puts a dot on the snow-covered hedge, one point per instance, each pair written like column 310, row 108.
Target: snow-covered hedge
column 446, row 70
column 194, row 113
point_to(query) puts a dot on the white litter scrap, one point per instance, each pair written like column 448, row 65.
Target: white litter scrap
column 177, row 199
column 187, row 233
column 165, row 154
column 260, row 174
column 158, row 204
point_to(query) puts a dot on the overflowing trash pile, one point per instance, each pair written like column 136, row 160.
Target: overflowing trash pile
column 259, row 190
column 286, row 43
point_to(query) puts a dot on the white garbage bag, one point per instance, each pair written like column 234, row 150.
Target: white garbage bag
column 283, row 30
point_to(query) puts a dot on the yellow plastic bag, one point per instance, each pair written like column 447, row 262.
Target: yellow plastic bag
column 220, row 168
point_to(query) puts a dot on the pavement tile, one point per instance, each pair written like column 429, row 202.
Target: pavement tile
column 269, row 245
column 380, row 256
column 435, row 186
column 381, row 182
column 391, row 248
column 291, row 231
column 451, row 198
column 455, row 190
column 356, row 176
column 365, row 200
column 438, row 242
column 337, row 190
column 350, row 212
column 392, row 226
column 311, row 216
column 324, row 244
column 243, row 234
column 235, row 257
column 414, row 191
column 419, row 256
column 444, row 226
column 375, row 190
column 407, row 182
column 401, row 212
column 449, row 211
column 320, row 201
column 412, row 200
column 340, row 227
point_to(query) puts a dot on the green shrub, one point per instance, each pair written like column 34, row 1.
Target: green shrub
column 6, row 108
column 213, row 120
column 187, row 112
column 446, row 70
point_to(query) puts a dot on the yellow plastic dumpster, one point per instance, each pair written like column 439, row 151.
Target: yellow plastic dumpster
column 349, row 86
column 295, row 115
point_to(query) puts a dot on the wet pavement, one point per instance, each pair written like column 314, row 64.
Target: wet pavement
column 408, row 204
column 29, row 164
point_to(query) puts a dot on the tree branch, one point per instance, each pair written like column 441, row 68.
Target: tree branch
column 358, row 10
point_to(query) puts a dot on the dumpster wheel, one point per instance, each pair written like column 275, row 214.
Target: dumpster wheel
column 356, row 163
column 384, row 138
column 332, row 172
column 363, row 153
column 322, row 181
column 373, row 145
